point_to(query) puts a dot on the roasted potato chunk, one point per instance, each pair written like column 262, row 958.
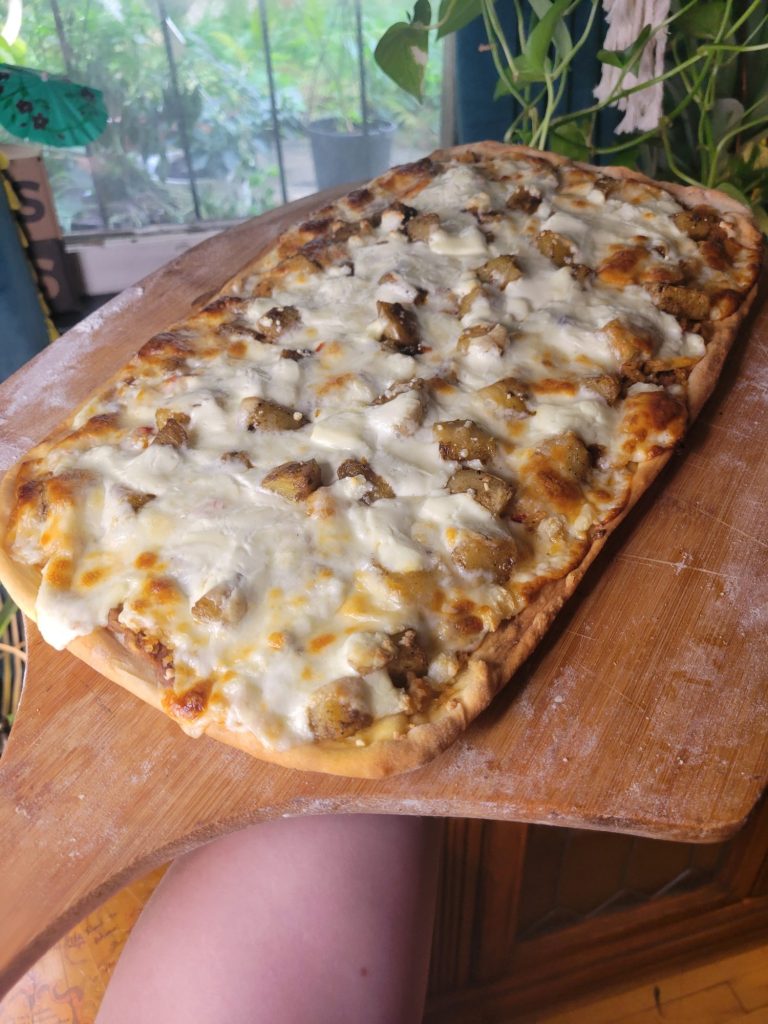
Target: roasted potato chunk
column 496, row 335
column 262, row 414
column 277, row 321
column 523, row 199
column 361, row 467
column 395, row 216
column 293, row 480
column 163, row 415
column 569, row 453
column 172, row 433
column 408, row 658
column 420, row 227
column 400, row 653
column 681, row 301
column 241, row 457
column 605, row 385
column 509, row 393
column 401, row 328
column 488, row 490
column 555, row 247
column 138, row 499
column 225, row 603
column 628, row 342
column 499, row 271
column 466, row 302
column 697, row 222
column 494, row 556
column 463, row 441
column 339, row 709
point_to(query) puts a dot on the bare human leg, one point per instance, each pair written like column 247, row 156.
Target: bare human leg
column 316, row 920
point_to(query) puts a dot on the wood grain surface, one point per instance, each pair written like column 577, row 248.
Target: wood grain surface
column 643, row 710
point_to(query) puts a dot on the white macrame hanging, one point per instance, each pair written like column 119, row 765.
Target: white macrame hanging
column 626, row 20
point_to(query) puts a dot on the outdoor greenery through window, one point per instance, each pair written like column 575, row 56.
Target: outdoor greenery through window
column 213, row 104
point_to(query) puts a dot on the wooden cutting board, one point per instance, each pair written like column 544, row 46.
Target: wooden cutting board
column 643, row 711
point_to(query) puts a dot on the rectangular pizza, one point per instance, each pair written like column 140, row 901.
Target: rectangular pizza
column 325, row 517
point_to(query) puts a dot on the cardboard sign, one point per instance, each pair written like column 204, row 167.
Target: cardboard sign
column 28, row 177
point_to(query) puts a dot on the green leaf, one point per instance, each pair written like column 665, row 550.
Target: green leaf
column 422, row 13
column 502, row 89
column 561, row 37
column 402, row 51
column 761, row 216
column 570, row 140
column 7, row 610
column 703, row 20
column 628, row 57
column 531, row 60
column 455, row 14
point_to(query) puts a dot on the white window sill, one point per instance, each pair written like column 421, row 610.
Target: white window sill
column 103, row 266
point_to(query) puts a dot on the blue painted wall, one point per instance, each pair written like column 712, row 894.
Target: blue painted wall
column 22, row 327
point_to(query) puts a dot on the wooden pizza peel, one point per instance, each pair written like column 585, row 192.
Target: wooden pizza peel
column 643, row 710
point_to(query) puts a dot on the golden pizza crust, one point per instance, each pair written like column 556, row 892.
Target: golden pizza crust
column 395, row 744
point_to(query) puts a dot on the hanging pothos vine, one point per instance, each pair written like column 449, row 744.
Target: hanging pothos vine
column 689, row 76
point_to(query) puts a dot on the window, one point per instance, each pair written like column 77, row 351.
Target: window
column 212, row 104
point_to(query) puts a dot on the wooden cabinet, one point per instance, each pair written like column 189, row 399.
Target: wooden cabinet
column 530, row 915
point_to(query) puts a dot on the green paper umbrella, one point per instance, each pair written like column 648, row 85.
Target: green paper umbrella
column 49, row 108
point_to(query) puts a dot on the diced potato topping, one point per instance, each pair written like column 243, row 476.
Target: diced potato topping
column 278, row 320
column 466, row 302
column 408, row 659
column 628, row 342
column 137, row 499
column 697, row 222
column 420, row 227
column 509, row 393
column 568, row 452
column 483, row 335
column 339, row 709
column 524, row 199
column 396, row 216
column 463, row 441
column 241, row 457
column 400, row 653
column 488, row 490
column 262, row 414
column 224, row 603
column 293, row 480
column 361, row 467
column 401, row 328
column 173, row 434
column 605, row 385
column 163, row 415
column 499, row 271
column 679, row 300
column 555, row 247
column 495, row 556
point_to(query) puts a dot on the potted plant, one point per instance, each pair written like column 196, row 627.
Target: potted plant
column 354, row 143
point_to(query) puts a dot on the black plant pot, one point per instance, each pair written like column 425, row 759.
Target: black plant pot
column 341, row 155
